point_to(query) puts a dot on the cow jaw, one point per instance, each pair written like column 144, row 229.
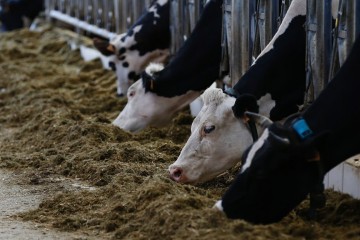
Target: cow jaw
column 148, row 109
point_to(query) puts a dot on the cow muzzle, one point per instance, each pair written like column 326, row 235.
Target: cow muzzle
column 177, row 174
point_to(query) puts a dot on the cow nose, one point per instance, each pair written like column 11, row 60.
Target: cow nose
column 176, row 174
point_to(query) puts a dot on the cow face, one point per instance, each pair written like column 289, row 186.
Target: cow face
column 148, row 109
column 277, row 174
column 217, row 141
column 146, row 41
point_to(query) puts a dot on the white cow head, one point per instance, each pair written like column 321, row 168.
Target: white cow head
column 148, row 109
column 217, row 141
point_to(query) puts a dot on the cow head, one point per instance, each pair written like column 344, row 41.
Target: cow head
column 145, row 108
column 217, row 141
column 146, row 41
column 277, row 174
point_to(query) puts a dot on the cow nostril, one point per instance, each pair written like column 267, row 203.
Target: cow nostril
column 176, row 174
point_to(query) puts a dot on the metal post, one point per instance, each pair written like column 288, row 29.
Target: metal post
column 349, row 24
column 176, row 27
column 194, row 8
column 240, row 41
column 268, row 21
column 318, row 47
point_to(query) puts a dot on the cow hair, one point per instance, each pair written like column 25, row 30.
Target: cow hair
column 213, row 95
column 154, row 68
column 149, row 75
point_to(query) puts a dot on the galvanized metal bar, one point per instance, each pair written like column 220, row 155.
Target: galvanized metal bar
column 349, row 24
column 225, row 39
column 268, row 20
column 81, row 24
column 194, row 9
column 176, row 24
column 318, row 47
column 239, row 38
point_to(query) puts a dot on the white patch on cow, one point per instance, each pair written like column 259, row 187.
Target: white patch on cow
column 297, row 8
column 218, row 205
column 153, row 68
column 148, row 109
column 257, row 145
column 154, row 7
column 206, row 155
column 136, row 63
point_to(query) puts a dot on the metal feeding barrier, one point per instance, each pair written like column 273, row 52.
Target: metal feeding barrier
column 107, row 18
column 104, row 18
column 328, row 41
column 248, row 27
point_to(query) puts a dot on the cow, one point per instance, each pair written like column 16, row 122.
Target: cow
column 148, row 40
column 217, row 139
column 278, row 70
column 164, row 91
column 289, row 161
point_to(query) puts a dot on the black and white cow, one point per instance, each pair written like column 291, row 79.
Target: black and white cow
column 164, row 91
column 279, row 70
column 289, row 161
column 148, row 40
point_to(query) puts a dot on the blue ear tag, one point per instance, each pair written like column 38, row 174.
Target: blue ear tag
column 302, row 129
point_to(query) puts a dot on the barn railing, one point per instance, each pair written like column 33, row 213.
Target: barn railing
column 107, row 18
column 183, row 17
column 327, row 47
column 248, row 27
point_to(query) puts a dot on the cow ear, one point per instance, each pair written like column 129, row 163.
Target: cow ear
column 104, row 47
column 259, row 119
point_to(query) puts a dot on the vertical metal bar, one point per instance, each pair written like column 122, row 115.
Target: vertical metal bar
column 225, row 38
column 348, row 27
column 176, row 27
column 318, row 47
column 240, row 39
column 268, row 21
column 194, row 12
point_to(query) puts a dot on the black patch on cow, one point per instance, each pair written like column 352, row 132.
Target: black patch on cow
column 112, row 65
column 125, row 64
column 123, row 38
column 133, row 76
column 197, row 63
column 152, row 36
column 122, row 57
column 130, row 33
column 122, row 50
column 333, row 117
column 280, row 72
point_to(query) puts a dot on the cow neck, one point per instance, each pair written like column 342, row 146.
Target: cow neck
column 337, row 111
column 281, row 70
column 196, row 65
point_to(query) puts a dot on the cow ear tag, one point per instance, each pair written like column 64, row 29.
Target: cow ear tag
column 111, row 48
column 302, row 129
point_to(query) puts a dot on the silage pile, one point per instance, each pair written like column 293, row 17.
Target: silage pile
column 55, row 117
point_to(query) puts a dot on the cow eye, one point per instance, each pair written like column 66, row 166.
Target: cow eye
column 209, row 129
column 131, row 93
